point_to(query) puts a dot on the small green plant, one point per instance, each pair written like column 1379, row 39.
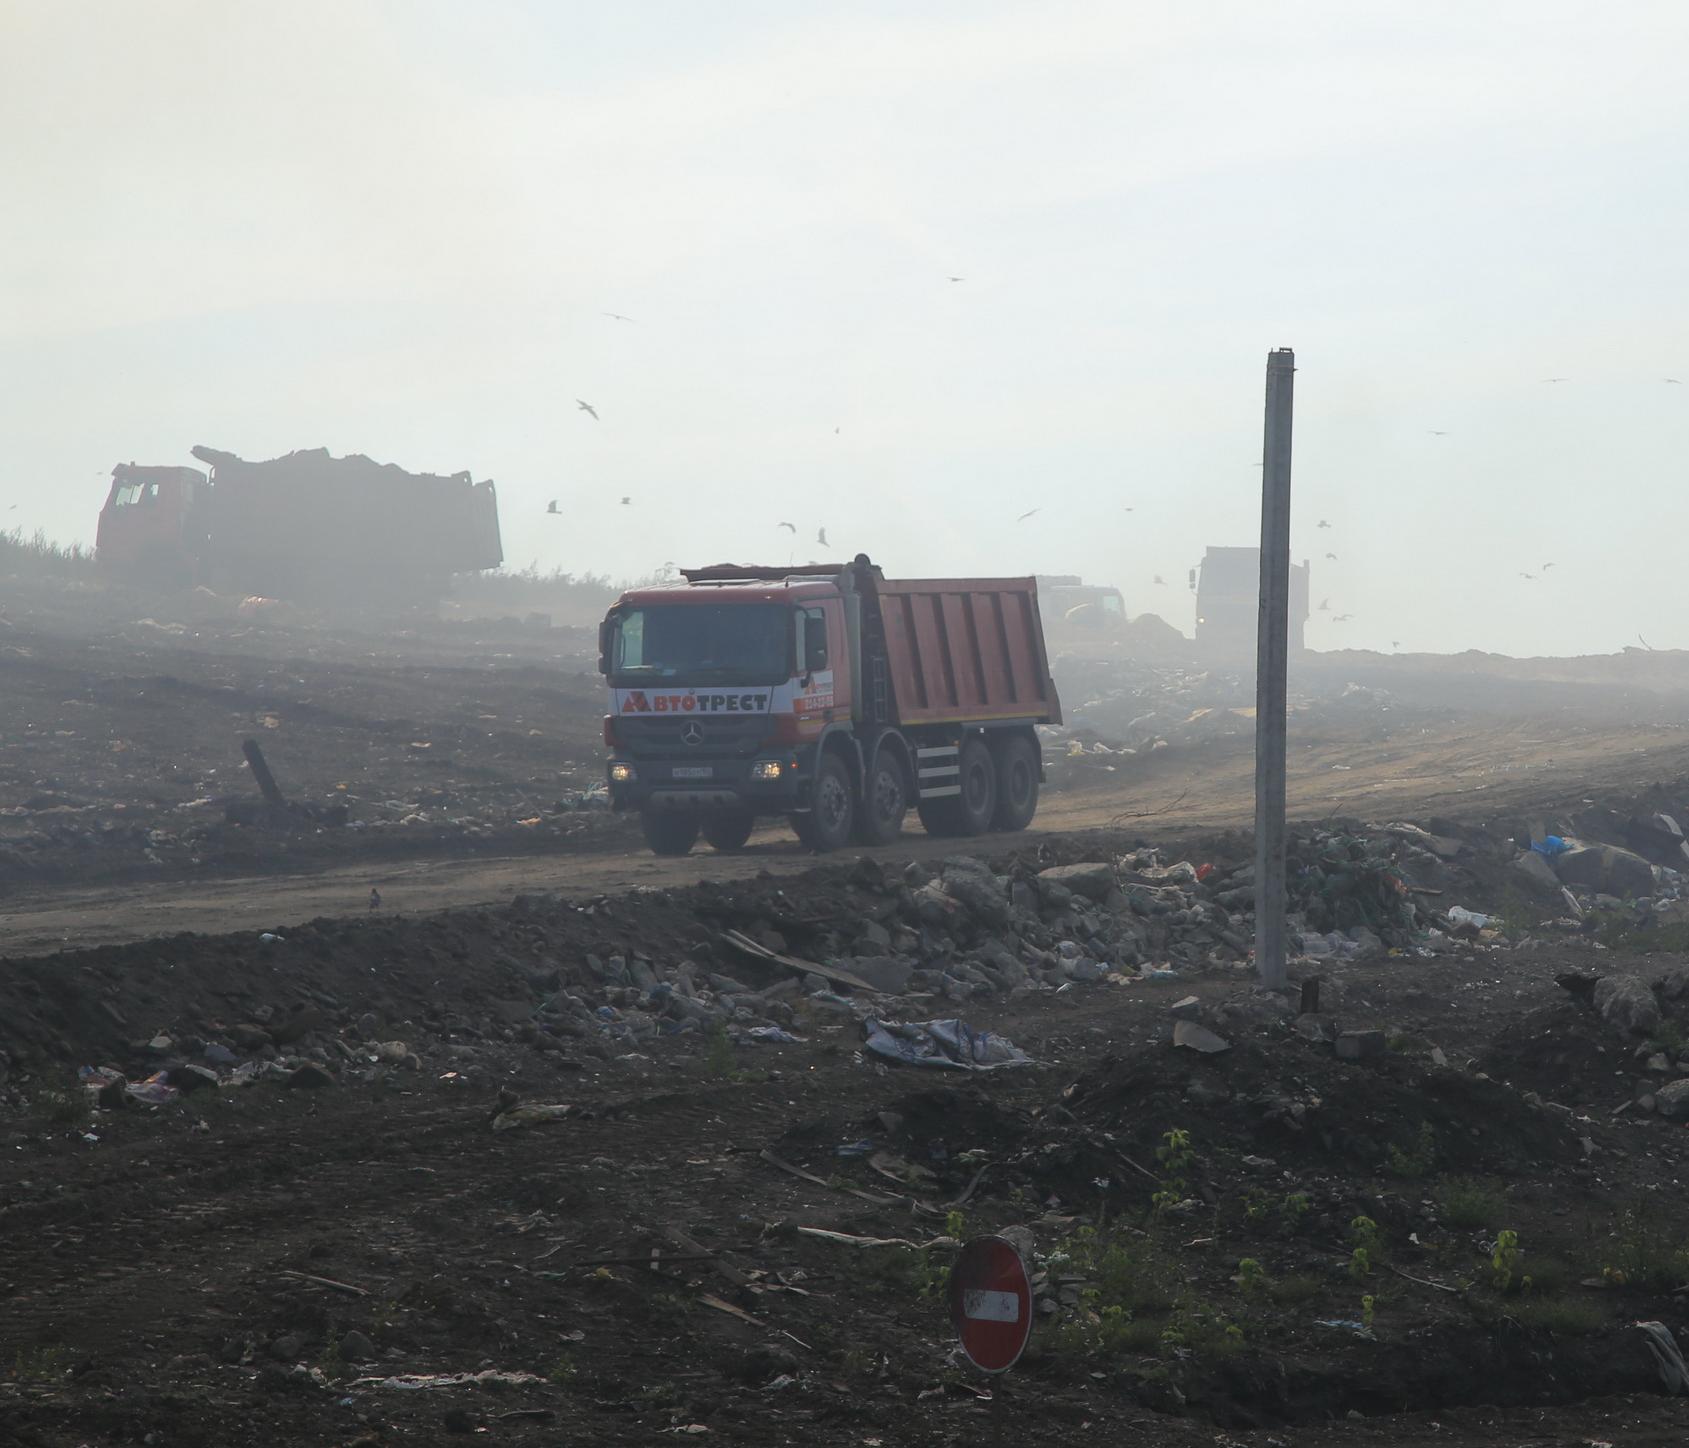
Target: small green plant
column 1467, row 1203
column 1292, row 1210
column 333, row 1360
column 1418, row 1160
column 1251, row 1276
column 1504, row 1260
column 1176, row 1157
column 1255, row 1209
column 1368, row 1304
column 956, row 1225
column 1366, row 1242
column 563, row 1371
column 41, row 1364
column 720, row 1061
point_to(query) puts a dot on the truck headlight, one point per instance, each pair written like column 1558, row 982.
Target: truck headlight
column 621, row 773
column 766, row 769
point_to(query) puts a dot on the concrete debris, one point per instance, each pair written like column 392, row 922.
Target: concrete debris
column 1194, row 1036
column 1627, row 1005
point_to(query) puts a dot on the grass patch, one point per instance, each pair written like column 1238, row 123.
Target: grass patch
column 1468, row 1203
column 41, row 1364
column 55, row 1107
column 1564, row 1317
column 1646, row 1249
column 38, row 554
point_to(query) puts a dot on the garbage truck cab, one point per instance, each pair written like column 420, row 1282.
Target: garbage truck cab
column 829, row 696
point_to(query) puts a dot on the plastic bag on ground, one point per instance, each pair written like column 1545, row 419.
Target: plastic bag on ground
column 948, row 1045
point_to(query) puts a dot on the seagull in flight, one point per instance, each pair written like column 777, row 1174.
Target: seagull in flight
column 1332, row 557
column 1434, row 433
column 789, row 527
column 618, row 317
column 626, row 501
column 958, row 279
column 1546, row 567
column 1675, row 381
column 1325, row 605
column 1529, row 577
column 1343, row 618
column 588, row 408
column 821, row 538
column 551, row 507
column 1645, row 644
column 1324, row 524
column 1556, row 379
column 1162, row 581
column 1027, row 514
column 1395, row 643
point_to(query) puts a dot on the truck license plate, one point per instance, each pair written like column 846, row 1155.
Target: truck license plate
column 693, row 771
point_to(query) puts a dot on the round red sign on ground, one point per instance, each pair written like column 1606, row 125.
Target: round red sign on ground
column 991, row 1303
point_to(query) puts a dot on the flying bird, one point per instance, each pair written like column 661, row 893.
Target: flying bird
column 626, row 501
column 1324, row 524
column 1645, row 644
column 1434, row 433
column 1342, row 618
column 1027, row 514
column 1676, row 381
column 1395, row 643
column 1332, row 557
column 1529, row 577
column 958, row 279
column 789, row 527
column 1325, row 605
column 551, row 507
column 588, row 408
column 618, row 317
column 1556, row 379
column 1162, row 581
column 1130, row 509
column 1546, row 567
column 821, row 538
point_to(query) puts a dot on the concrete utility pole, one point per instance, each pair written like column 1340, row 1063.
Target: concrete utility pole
column 1272, row 659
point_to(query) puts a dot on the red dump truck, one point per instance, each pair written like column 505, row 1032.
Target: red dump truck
column 306, row 526
column 830, row 695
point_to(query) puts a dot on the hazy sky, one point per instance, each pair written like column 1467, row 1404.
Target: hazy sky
column 395, row 228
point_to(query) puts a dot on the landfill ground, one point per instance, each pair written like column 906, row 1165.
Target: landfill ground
column 316, row 1235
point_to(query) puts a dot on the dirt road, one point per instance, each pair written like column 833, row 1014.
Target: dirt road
column 1471, row 770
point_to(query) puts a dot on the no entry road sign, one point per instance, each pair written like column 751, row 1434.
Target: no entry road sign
column 991, row 1303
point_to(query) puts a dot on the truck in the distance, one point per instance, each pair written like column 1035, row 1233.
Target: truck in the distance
column 304, row 526
column 829, row 695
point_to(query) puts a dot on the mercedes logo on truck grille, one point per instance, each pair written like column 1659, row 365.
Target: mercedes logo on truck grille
column 692, row 732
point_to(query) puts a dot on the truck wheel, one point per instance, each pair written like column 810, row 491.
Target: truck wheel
column 669, row 834
column 728, row 832
column 834, row 810
column 977, row 803
column 1017, row 785
column 885, row 801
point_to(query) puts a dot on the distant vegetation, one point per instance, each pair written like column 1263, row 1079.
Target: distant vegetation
column 567, row 597
column 38, row 555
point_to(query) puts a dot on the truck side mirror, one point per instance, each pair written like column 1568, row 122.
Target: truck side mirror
column 605, row 633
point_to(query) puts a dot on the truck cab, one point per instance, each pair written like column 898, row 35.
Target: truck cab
column 828, row 696
column 151, row 527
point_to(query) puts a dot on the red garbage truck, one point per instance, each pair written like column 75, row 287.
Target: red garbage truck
column 830, row 695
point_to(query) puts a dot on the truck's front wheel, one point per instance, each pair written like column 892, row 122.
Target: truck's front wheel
column 832, row 812
column 669, row 833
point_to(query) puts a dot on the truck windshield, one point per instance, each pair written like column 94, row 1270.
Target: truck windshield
column 694, row 643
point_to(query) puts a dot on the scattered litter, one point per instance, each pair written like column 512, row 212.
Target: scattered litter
column 948, row 1044
column 1667, row 1357
column 412, row 1382
column 849, row 1240
column 774, row 1036
column 1194, row 1036
column 1462, row 916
